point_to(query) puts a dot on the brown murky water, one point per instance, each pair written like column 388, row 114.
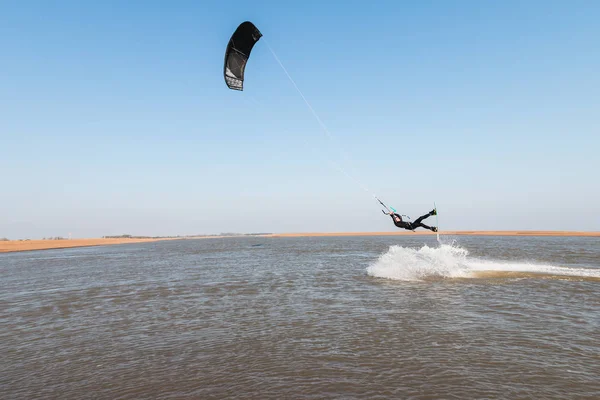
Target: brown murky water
column 304, row 318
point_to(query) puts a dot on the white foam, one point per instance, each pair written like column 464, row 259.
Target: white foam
column 450, row 261
column 484, row 265
column 403, row 263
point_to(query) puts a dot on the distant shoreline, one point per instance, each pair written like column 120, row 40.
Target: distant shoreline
column 447, row 233
column 10, row 246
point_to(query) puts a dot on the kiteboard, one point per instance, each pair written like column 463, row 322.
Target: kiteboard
column 437, row 221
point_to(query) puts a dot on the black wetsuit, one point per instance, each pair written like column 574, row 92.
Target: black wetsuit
column 411, row 225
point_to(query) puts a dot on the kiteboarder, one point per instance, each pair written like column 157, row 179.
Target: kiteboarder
column 411, row 226
column 237, row 54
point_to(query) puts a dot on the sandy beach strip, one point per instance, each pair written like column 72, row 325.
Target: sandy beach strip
column 29, row 245
column 7, row 246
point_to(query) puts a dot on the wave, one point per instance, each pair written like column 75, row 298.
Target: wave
column 450, row 261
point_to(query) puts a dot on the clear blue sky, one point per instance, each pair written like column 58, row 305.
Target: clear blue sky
column 115, row 118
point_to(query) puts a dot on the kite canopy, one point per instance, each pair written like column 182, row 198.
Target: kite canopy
column 237, row 53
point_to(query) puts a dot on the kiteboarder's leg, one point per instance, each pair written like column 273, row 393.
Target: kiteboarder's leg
column 422, row 217
column 431, row 228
